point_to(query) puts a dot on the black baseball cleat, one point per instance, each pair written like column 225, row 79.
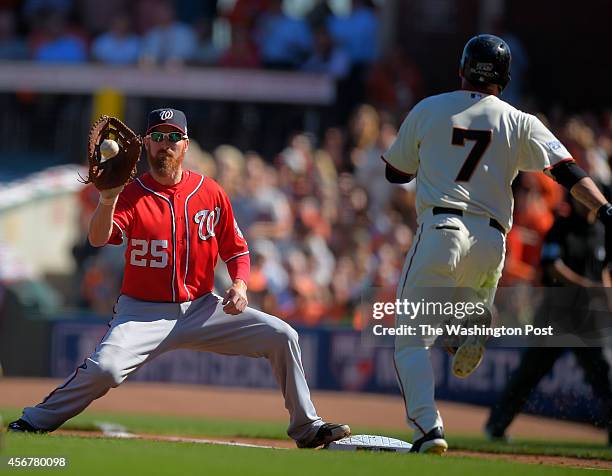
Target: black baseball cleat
column 432, row 443
column 327, row 433
column 22, row 426
column 492, row 434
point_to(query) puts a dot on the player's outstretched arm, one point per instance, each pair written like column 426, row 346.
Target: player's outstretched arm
column 583, row 189
column 571, row 176
column 587, row 193
column 101, row 224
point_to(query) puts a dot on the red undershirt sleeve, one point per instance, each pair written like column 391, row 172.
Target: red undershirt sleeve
column 239, row 268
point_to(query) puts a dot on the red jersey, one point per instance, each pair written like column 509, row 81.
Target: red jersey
column 174, row 235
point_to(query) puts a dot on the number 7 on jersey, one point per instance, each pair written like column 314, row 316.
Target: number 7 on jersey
column 482, row 138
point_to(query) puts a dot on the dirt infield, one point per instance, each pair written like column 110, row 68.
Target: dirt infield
column 365, row 410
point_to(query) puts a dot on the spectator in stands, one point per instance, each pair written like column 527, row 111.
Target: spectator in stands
column 96, row 16
column 583, row 145
column 12, row 47
column 327, row 184
column 533, row 217
column 358, row 32
column 319, row 15
column 231, row 170
column 273, row 272
column 310, row 300
column 203, row 10
column 53, row 43
column 245, row 15
column 306, row 173
column 395, row 83
column 284, row 42
column 372, row 136
column 272, row 218
column 242, row 52
column 33, row 8
column 199, row 160
column 206, row 52
column 169, row 42
column 101, row 278
column 327, row 57
column 334, row 145
column 119, row 45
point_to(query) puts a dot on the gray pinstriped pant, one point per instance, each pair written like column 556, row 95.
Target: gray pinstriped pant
column 140, row 331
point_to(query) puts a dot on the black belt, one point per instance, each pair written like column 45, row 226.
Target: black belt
column 455, row 211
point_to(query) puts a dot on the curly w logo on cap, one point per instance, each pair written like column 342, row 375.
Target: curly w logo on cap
column 167, row 116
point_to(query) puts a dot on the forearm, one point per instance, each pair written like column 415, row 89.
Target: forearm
column 587, row 193
column 101, row 224
column 239, row 269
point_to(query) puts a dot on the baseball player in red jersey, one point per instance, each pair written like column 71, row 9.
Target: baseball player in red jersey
column 176, row 223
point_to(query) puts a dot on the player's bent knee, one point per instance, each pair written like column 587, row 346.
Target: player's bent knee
column 108, row 373
column 292, row 334
column 285, row 334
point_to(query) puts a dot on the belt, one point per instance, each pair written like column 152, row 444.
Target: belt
column 455, row 211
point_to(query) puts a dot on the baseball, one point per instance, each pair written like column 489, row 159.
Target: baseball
column 108, row 149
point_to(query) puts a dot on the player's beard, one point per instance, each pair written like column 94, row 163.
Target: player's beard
column 166, row 162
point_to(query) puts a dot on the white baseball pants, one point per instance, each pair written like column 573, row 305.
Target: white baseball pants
column 449, row 251
column 140, row 331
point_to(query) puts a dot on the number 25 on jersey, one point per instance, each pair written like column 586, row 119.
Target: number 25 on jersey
column 140, row 249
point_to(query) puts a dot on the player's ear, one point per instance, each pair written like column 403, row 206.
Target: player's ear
column 146, row 141
column 186, row 145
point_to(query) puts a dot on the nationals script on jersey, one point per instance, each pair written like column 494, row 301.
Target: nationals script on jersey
column 174, row 235
column 466, row 149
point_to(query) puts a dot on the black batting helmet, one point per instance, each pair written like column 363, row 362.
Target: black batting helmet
column 486, row 60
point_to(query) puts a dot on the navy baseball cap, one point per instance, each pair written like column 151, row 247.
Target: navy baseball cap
column 167, row 116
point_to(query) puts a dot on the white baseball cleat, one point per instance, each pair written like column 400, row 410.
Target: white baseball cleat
column 468, row 357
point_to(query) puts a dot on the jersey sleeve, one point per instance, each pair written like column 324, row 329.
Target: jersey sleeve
column 231, row 241
column 403, row 154
column 540, row 149
column 122, row 220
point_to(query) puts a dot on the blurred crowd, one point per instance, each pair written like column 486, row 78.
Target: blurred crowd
column 254, row 33
column 323, row 224
column 160, row 35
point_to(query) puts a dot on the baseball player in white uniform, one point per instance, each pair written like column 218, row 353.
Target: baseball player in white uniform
column 465, row 148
